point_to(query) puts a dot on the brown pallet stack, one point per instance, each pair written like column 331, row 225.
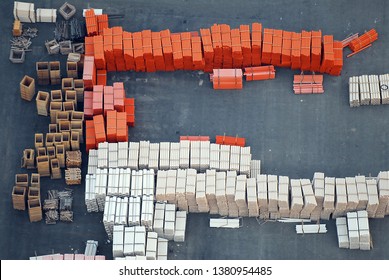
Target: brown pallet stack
column 34, row 210
column 43, row 73
column 75, row 140
column 55, row 107
column 79, row 88
column 19, row 198
column 33, row 193
column 57, row 139
column 68, row 106
column 73, row 176
column 55, row 72
column 66, row 140
column 73, row 159
column 28, row 159
column 27, row 88
column 71, row 69
column 43, row 165
column 21, row 180
column 55, row 169
column 49, row 139
column 35, row 180
column 77, row 116
column 60, row 151
column 42, row 103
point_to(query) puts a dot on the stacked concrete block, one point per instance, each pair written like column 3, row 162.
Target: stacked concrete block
column 101, row 187
column 224, row 158
column 272, row 188
column 342, row 231
column 148, row 182
column 140, row 241
column 297, row 202
column 245, row 161
column 375, row 94
column 341, row 198
column 162, row 249
column 174, row 155
column 204, row 155
column 118, row 241
column 353, row 92
column 159, row 218
column 122, row 154
column 124, row 188
column 184, row 154
column 144, row 152
column 160, row 191
column 210, row 191
column 102, row 155
column 329, row 198
column 318, row 188
column 364, row 230
column 90, row 193
column 171, row 182
column 353, row 230
column 182, row 203
column 255, row 168
column 129, row 241
column 133, row 155
column 252, row 201
column 134, row 211
column 309, row 199
column 384, row 87
column 221, row 198
column 364, row 90
column 234, row 158
column 92, row 161
column 109, row 215
column 170, row 221
column 352, row 194
column 46, row 15
column 180, row 226
column 233, row 210
column 263, row 203
column 136, row 183
column 121, row 212
column 24, row 12
column 201, row 197
column 362, row 192
column 154, row 156
column 164, row 155
column 151, row 246
column 308, row 229
column 240, row 195
column 195, row 155
column 190, row 190
column 214, row 154
column 283, row 196
column 113, row 182
column 383, row 194
column 372, row 198
column 147, row 212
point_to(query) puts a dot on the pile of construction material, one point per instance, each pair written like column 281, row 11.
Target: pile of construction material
column 68, row 257
column 24, row 12
column 368, row 90
column 308, row 84
column 58, row 206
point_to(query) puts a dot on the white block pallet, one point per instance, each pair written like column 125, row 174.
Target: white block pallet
column 136, row 183
column 102, row 155
column 221, row 199
column 210, row 191
column 101, row 187
column 352, row 194
column 112, row 155
column 113, row 182
column 364, row 230
column 297, row 202
column 144, row 152
column 245, row 161
column 383, row 193
column 184, row 154
column 364, row 90
column 384, row 87
column 164, row 156
column 129, row 241
column 170, row 220
column 140, row 241
column 123, row 154
column 109, row 215
column 341, row 198
column 159, row 219
column 148, row 182
column 272, row 188
column 283, row 196
column 90, row 193
column 134, row 210
column 362, row 192
column 373, row 200
column 118, row 241
column 354, row 92
column 46, row 15
column 204, row 155
column 160, row 191
column 234, row 158
column 174, row 156
column 255, row 168
column 252, row 201
column 147, row 212
column 309, row 199
column 353, row 230
column 201, row 198
column 182, row 203
column 162, row 249
column 154, row 156
column 124, row 189
column 171, row 182
column 262, row 196
column 24, row 12
column 92, row 161
column 224, row 223
column 214, row 157
column 133, row 155
column 233, row 210
column 342, row 231
column 318, row 188
column 240, row 195
column 180, row 226
column 375, row 94
column 309, row 229
column 151, row 245
column 225, row 158
column 190, row 190
column 122, row 215
column 329, row 198
column 195, row 155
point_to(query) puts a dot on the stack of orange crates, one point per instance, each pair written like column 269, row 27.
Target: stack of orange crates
column 98, row 122
column 230, row 140
column 267, row 46
column 111, row 126
column 157, row 51
column 148, row 51
column 364, row 40
column 338, row 59
column 167, row 49
column 98, row 100
column 217, row 46
column 296, row 51
column 121, row 126
column 277, row 48
column 138, row 52
column 102, row 77
column 102, row 21
column 256, row 45
column 227, row 79
column 208, row 49
column 129, row 104
column 117, row 36
column 226, row 45
column 89, row 74
column 108, row 99
column 286, row 53
column 88, row 104
column 328, row 54
column 90, row 135
column 194, row 138
column 98, row 45
column 316, row 51
column 308, row 84
column 108, row 50
column 197, row 54
column 178, row 60
column 92, row 27
column 305, row 50
column 237, row 55
column 260, row 73
column 128, row 51
column 118, row 96
column 245, row 42
column 186, row 42
column 89, row 48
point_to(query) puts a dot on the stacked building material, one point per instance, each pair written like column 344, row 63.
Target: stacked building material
column 152, row 245
column 363, row 41
column 309, row 199
column 352, row 194
column 329, row 198
column 184, row 153
column 297, row 202
column 362, row 192
column 240, row 195
column 230, row 140
column 374, row 86
column 383, row 194
column 180, row 226
column 318, row 184
column 231, row 181
column 182, row 203
column 210, row 191
column 201, row 198
column 260, row 73
column 90, row 193
column 283, row 196
column 272, row 188
column 170, row 220
column 341, row 198
column 342, row 231
column 171, row 182
column 227, row 79
column 305, row 229
column 221, row 198
column 354, row 92
column 262, row 195
column 147, row 211
column 252, row 201
column 89, row 73
column 73, row 176
column 308, row 84
column 27, row 88
column 24, row 12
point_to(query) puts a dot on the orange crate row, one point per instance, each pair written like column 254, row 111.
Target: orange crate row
column 227, row 79
column 364, row 40
column 308, row 84
column 260, row 73
column 230, row 140
column 129, row 106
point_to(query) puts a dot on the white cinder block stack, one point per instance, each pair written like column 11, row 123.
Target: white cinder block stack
column 109, row 215
column 24, row 12
column 341, row 198
column 373, row 200
column 113, row 181
column 307, row 229
column 190, row 191
column 117, row 211
column 342, row 231
column 263, row 203
column 362, row 192
column 383, row 194
column 214, row 161
column 144, row 152
column 309, row 199
column 129, row 241
column 182, row 203
column 283, row 196
column 234, row 158
column 92, row 161
column 133, row 155
column 245, row 161
column 140, row 241
column 122, row 154
column 102, row 155
column 384, row 87
column 364, row 90
column 255, row 168
column 159, row 218
column 240, row 195
column 162, row 249
column 224, row 158
column 353, row 92
column 375, row 94
column 118, row 241
column 201, row 197
column 171, row 182
column 223, row 223
column 272, row 188
column 170, row 220
column 180, row 226
column 46, row 15
column 101, row 187
column 123, row 215
column 148, row 182
column 164, row 155
column 184, row 154
column 352, row 194
column 221, row 198
column 329, row 198
column 252, row 201
column 204, row 155
column 152, row 245
column 112, row 155
column 154, row 156
column 124, row 182
column 364, row 231
column 160, row 191
column 195, row 155
column 147, row 212
column 318, row 188
column 90, row 193
column 233, row 210
column 136, row 183
column 174, row 155
column 353, row 231
column 297, row 202
column 210, row 191
column 134, row 210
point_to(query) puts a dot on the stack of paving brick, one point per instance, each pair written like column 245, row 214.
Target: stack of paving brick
column 283, row 196
column 358, row 230
column 89, row 73
column 262, row 196
column 98, row 50
column 92, row 27
column 201, row 196
column 210, row 191
column 260, row 73
column 272, row 188
column 309, row 199
column 353, row 92
column 383, row 194
column 233, row 210
column 318, row 184
column 117, row 44
column 102, row 22
column 108, row 49
column 384, row 87
column 252, row 201
column 296, row 200
column 363, row 41
column 308, row 84
column 206, row 41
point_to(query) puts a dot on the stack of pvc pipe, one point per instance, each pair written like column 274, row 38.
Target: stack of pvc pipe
column 113, row 182
column 283, row 196
column 147, row 212
column 364, row 90
column 384, row 87
column 144, row 151
column 210, row 191
column 102, row 155
column 329, row 198
column 309, row 199
column 133, row 155
column 190, row 191
column 195, row 155
column 255, row 168
column 252, row 201
column 318, row 187
column 171, row 182
column 180, row 226
column 124, row 182
column 122, row 154
column 201, row 197
column 182, row 203
column 297, row 202
column 184, row 153
column 221, row 199
column 152, row 245
column 341, row 198
column 375, row 94
column 233, row 210
column 154, row 156
column 174, row 156
column 342, row 231
column 272, row 188
column 373, row 200
column 262, row 196
column 214, row 156
column 24, row 12
column 92, row 161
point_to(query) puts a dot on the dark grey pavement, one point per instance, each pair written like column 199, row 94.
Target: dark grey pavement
column 291, row 135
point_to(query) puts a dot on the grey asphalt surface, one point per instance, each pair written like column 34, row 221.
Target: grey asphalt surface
column 291, row 135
